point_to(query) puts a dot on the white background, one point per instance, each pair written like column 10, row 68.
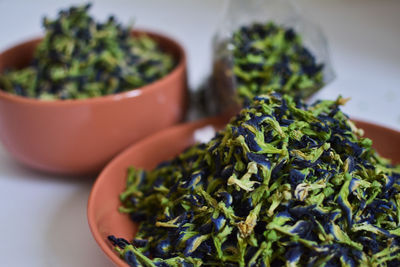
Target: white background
column 43, row 217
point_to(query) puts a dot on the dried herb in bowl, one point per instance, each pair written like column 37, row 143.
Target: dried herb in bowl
column 283, row 184
column 261, row 58
column 81, row 58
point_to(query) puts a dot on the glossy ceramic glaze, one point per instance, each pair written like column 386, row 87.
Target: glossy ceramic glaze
column 104, row 218
column 81, row 136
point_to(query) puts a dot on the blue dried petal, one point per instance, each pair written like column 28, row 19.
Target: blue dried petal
column 195, row 200
column 310, row 142
column 248, row 204
column 205, row 228
column 173, row 189
column 283, row 108
column 356, row 149
column 356, row 253
column 328, row 119
column 183, row 218
column 158, row 182
column 393, row 263
column 140, row 242
column 379, row 205
column 369, row 218
column 302, row 163
column 249, row 138
column 19, row 90
column 283, row 69
column 162, row 248
column 321, row 127
column 138, row 216
column 186, row 264
column 347, row 259
column 190, row 245
column 258, row 177
column 384, row 231
column 219, row 222
column 306, row 55
column 130, row 258
column 112, row 239
column 284, row 214
column 192, row 158
column 352, row 164
column 268, row 137
column 259, row 159
column 275, row 171
column 290, row 34
column 263, row 98
column 311, row 69
column 286, row 122
column 296, row 177
column 214, row 146
column 161, row 264
column 238, row 151
column 390, row 181
column 346, row 209
column 276, row 95
column 133, row 200
column 299, row 212
column 227, row 198
column 370, row 243
column 120, row 242
column 244, row 49
column 243, row 208
column 206, row 247
column 194, row 179
column 255, row 121
column 303, row 229
column 333, row 216
column 217, row 162
column 227, row 171
column 252, row 66
column 181, row 235
column 249, row 254
column 293, row 254
column 396, row 176
column 322, row 174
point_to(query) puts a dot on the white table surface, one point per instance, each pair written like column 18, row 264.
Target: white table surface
column 43, row 216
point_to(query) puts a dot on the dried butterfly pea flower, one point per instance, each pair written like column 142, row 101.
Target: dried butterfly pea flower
column 283, row 184
column 79, row 58
column 265, row 58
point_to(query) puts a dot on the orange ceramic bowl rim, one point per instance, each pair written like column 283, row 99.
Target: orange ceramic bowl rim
column 146, row 89
column 101, row 241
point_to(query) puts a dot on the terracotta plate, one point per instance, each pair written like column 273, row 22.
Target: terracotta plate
column 104, row 218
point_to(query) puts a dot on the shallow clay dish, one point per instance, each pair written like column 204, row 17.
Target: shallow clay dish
column 103, row 216
column 81, row 136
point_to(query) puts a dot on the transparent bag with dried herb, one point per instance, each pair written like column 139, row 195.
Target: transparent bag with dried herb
column 263, row 46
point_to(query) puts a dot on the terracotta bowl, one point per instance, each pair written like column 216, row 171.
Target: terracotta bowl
column 81, row 136
column 103, row 216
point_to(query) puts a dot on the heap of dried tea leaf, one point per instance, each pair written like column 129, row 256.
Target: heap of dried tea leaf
column 266, row 58
column 284, row 184
column 79, row 58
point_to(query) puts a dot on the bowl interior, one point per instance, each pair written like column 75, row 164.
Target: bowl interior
column 104, row 218
column 20, row 56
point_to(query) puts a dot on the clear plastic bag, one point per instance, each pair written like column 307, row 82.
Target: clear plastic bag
column 221, row 93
